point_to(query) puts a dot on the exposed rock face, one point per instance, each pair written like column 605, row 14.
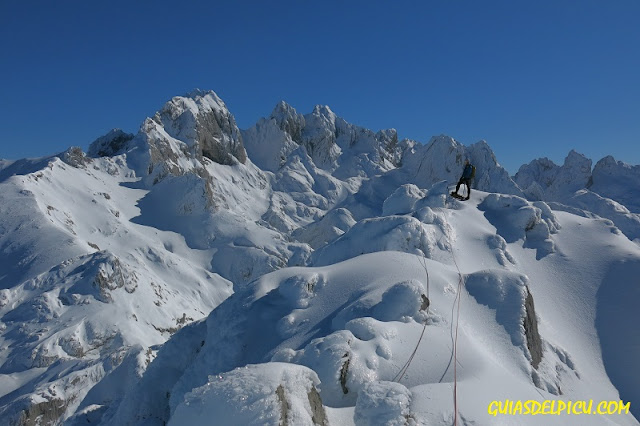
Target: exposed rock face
column 530, row 323
column 284, row 406
column 289, row 121
column 509, row 295
column 75, row 157
column 187, row 131
column 202, row 121
column 111, row 144
column 319, row 416
column 43, row 413
column 189, row 135
column 111, row 276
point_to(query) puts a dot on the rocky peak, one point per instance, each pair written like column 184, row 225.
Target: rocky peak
column 388, row 145
column 202, row 121
column 113, row 143
column 324, row 112
column 578, row 163
column 490, row 175
column 556, row 182
column 319, row 137
column 344, row 149
column 289, row 121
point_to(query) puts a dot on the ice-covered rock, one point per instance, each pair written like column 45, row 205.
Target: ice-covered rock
column 319, row 137
column 75, row 157
column 490, row 175
column 604, row 192
column 289, row 121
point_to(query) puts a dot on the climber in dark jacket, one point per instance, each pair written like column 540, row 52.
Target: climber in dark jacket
column 468, row 174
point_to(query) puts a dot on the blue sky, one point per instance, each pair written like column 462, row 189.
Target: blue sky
column 532, row 78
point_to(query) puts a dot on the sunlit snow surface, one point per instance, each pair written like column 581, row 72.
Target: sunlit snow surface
column 157, row 286
column 367, row 310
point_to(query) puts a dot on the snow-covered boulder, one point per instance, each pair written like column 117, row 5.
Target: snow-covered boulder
column 397, row 233
column 402, row 200
column 436, row 196
column 515, row 218
column 274, row 394
column 383, row 403
column 335, row 223
column 507, row 293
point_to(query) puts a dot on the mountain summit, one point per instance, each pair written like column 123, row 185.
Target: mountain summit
column 307, row 270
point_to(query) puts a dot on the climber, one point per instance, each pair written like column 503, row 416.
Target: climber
column 468, row 174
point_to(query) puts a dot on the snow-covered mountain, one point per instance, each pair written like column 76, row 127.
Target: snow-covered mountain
column 288, row 273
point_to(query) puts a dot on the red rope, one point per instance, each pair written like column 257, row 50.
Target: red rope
column 455, row 361
column 405, row 367
column 455, row 344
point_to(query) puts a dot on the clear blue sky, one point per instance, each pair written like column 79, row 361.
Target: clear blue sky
column 532, row 78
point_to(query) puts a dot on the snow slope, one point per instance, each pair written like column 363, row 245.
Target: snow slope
column 278, row 275
column 355, row 323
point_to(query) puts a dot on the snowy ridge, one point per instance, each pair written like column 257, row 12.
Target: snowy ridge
column 277, row 275
column 603, row 191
